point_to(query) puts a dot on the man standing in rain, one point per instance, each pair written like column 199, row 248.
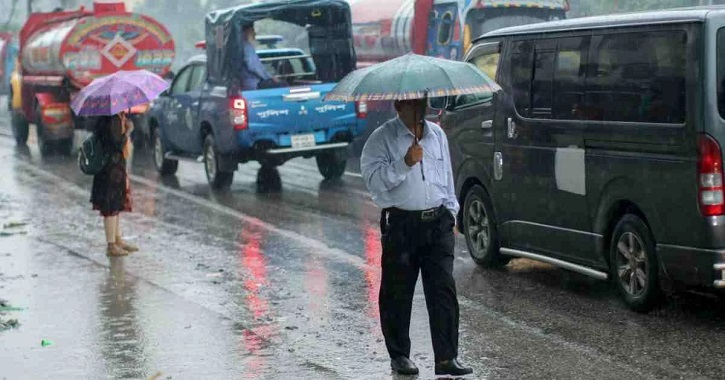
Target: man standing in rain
column 252, row 72
column 417, row 221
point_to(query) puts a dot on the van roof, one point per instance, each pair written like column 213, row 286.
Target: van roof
column 667, row 16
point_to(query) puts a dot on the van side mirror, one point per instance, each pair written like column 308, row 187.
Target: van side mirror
column 439, row 103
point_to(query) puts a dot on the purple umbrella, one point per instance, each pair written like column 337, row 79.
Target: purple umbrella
column 117, row 92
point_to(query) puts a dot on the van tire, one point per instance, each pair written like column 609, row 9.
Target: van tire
column 163, row 166
column 480, row 229
column 332, row 163
column 217, row 179
column 633, row 259
column 21, row 128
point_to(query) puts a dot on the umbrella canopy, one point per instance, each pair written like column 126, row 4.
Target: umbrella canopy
column 120, row 91
column 412, row 76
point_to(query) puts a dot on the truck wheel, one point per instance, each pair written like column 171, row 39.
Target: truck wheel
column 45, row 146
column 217, row 179
column 479, row 226
column 332, row 164
column 21, row 128
column 634, row 264
column 163, row 166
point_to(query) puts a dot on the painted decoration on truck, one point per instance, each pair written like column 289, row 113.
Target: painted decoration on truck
column 98, row 46
column 94, row 46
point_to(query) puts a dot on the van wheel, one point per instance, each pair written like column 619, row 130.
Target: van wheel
column 479, row 226
column 634, row 265
column 163, row 166
column 21, row 128
column 332, row 164
column 217, row 179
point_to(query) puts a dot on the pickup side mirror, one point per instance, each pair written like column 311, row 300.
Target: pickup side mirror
column 439, row 103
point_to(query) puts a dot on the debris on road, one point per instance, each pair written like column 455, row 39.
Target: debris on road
column 45, row 343
column 11, row 225
column 8, row 324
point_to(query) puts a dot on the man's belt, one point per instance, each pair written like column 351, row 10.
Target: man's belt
column 424, row 215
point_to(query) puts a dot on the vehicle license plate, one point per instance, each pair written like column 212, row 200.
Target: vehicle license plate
column 303, row 141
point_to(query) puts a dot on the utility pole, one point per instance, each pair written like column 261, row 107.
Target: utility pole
column 30, row 7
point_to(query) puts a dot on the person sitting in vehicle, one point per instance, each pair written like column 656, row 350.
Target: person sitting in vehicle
column 252, row 73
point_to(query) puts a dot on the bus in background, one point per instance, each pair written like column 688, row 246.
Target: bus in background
column 385, row 29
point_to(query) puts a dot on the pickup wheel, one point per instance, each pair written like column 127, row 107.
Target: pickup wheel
column 217, row 179
column 21, row 128
column 163, row 165
column 332, row 164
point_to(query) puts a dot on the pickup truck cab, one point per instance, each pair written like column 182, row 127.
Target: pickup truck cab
column 197, row 121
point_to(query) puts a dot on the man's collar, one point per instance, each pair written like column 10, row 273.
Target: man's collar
column 402, row 129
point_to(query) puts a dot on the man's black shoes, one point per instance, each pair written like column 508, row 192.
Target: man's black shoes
column 404, row 366
column 452, row 368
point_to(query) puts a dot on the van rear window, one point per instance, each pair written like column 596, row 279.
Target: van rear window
column 637, row 77
column 626, row 77
column 721, row 72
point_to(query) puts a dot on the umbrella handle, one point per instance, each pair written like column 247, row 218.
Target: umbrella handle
column 422, row 129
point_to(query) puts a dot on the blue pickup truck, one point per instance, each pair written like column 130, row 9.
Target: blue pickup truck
column 201, row 118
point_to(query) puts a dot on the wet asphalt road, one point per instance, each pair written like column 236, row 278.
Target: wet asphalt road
column 265, row 283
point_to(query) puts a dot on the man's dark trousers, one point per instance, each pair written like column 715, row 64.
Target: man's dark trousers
column 410, row 245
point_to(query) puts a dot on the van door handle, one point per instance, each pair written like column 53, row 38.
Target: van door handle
column 487, row 124
column 498, row 166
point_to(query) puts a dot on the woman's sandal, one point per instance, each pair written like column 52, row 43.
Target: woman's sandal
column 114, row 250
column 125, row 246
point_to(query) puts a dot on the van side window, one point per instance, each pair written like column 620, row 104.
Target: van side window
column 487, row 63
column 522, row 63
column 541, row 84
column 569, row 77
column 637, row 77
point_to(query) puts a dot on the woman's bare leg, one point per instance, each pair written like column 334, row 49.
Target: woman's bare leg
column 119, row 241
column 109, row 225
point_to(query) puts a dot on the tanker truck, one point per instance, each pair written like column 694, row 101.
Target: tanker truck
column 62, row 52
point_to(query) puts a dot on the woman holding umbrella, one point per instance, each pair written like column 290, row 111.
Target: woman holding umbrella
column 111, row 191
column 109, row 97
